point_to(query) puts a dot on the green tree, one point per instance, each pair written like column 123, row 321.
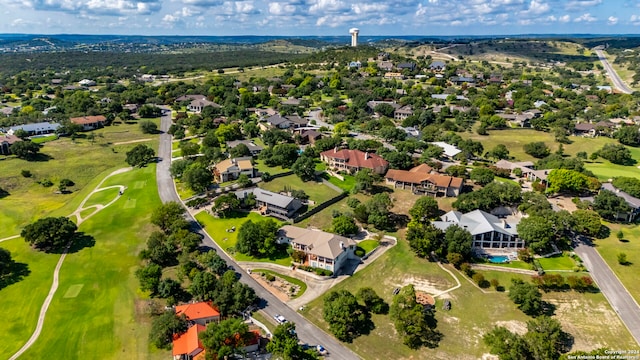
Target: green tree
column 149, row 111
column 424, row 208
column 413, row 322
column 586, row 222
column 346, row 318
column 160, row 250
column 240, row 150
column 213, row 262
column 365, row 178
column 385, row 109
column 26, row 149
column 244, row 181
column 506, row 345
column 526, row 296
column 165, row 326
column 344, row 225
column 566, row 180
column 622, row 259
column 178, row 167
column 149, row 277
column 197, row 178
column 537, row 149
column 341, row 129
column 148, row 127
column 285, row 345
column 423, row 238
column 50, row 233
column 609, row 205
column 166, row 215
column 304, row 168
column 226, row 338
column 188, row 148
column 617, row 154
column 225, row 204
column 257, row 238
column 229, row 132
column 482, row 176
column 203, row 286
column 537, row 232
column 545, row 338
column 457, row 240
column 628, row 135
column 629, row 185
column 140, row 155
column 499, row 152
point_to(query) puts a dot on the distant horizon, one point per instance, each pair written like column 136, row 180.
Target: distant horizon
column 318, row 17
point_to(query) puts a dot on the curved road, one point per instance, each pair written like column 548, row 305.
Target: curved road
column 619, row 298
column 307, row 332
column 617, row 82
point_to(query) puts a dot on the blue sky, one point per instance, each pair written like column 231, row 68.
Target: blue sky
column 319, row 17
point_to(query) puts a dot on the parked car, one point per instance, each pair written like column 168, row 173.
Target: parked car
column 280, row 319
column 321, row 350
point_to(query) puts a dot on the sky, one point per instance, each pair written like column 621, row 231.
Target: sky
column 320, row 17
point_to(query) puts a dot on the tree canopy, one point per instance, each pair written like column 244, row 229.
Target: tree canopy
column 50, row 233
column 165, row 326
column 346, row 318
column 257, row 238
column 140, row 155
column 225, row 338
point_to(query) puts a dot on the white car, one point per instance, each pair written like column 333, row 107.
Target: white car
column 321, row 350
column 280, row 319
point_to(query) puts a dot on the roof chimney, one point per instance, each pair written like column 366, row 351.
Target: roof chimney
column 366, row 155
column 341, row 245
column 335, row 149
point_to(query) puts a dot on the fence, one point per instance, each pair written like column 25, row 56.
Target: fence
column 320, row 207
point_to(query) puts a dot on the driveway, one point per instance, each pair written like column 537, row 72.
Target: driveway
column 307, row 331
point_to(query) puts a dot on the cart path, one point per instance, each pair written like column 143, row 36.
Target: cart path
column 56, row 272
column 10, row 238
column 131, row 141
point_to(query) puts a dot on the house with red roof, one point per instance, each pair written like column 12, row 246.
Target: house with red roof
column 188, row 346
column 89, row 122
column 354, row 160
column 6, row 141
column 199, row 313
column 421, row 180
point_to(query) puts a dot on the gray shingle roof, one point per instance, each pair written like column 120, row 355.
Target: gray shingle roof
column 632, row 201
column 476, row 222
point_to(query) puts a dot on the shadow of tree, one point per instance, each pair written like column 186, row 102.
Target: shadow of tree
column 3, row 193
column 15, row 273
column 81, row 241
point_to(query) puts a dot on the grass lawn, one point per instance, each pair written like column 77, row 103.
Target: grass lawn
column 515, row 139
column 183, row 191
column 368, row 245
column 265, row 320
column 44, row 139
column 605, row 170
column 97, row 285
column 322, row 220
column 217, row 229
column 79, row 160
column 292, row 280
column 346, row 185
column 102, row 197
column 317, row 191
column 259, row 164
column 563, row 262
column 610, row 247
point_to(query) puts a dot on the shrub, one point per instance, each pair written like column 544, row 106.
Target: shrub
column 495, row 283
column 466, row 268
column 622, row 259
column 353, row 202
column 270, row 277
column 26, row 173
column 323, row 272
column 46, row 183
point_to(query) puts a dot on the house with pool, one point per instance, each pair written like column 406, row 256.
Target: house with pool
column 490, row 233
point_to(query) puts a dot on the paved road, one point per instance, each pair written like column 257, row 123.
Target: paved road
column 619, row 298
column 307, row 332
column 617, row 82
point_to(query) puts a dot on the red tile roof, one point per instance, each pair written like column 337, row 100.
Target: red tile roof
column 195, row 311
column 86, row 120
column 357, row 158
column 9, row 139
column 188, row 342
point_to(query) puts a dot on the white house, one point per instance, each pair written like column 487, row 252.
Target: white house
column 488, row 231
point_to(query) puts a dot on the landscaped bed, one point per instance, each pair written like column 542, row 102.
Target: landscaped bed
column 302, row 287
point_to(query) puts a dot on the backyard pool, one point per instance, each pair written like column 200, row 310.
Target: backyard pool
column 498, row 259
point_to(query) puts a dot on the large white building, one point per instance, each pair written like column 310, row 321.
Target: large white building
column 488, row 231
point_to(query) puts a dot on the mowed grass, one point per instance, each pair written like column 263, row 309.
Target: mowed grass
column 368, row 245
column 81, row 161
column 346, row 185
column 103, row 318
column 563, row 262
column 609, row 249
column 317, row 191
column 273, row 170
column 217, row 229
column 102, row 197
column 21, row 302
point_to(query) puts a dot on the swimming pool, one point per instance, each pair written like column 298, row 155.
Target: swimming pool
column 498, row 259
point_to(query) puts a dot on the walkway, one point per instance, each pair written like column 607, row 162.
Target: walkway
column 56, row 272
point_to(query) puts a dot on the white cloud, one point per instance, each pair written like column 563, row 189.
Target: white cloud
column 585, row 18
column 537, row 7
column 612, row 20
column 281, row 8
column 635, row 20
column 581, row 4
column 565, row 18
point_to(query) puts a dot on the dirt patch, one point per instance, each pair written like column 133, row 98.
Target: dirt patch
column 571, row 313
column 278, row 288
column 564, row 203
column 424, row 285
column 515, row 326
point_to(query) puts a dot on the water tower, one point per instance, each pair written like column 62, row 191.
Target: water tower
column 354, row 36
